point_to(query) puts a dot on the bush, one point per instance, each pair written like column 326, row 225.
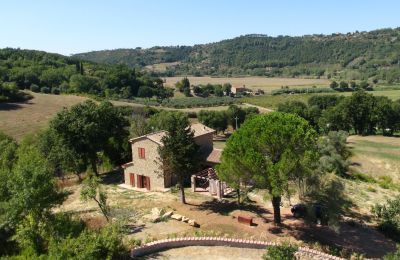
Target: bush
column 45, row 90
column 301, row 91
column 388, row 217
column 105, row 244
column 393, row 256
column 282, row 252
column 55, row 91
column 34, row 88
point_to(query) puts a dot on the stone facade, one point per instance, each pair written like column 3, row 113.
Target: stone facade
column 147, row 170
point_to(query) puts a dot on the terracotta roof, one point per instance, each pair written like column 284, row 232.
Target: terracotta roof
column 199, row 130
column 155, row 137
column 214, row 156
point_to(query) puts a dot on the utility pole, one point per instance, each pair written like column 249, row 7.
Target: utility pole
column 236, row 119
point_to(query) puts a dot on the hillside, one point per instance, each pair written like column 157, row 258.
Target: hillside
column 358, row 55
column 54, row 73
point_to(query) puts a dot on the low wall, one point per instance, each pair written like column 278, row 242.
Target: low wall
column 166, row 244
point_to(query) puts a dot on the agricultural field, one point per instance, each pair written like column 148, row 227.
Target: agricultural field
column 266, row 84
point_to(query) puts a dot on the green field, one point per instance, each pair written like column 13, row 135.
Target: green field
column 270, row 101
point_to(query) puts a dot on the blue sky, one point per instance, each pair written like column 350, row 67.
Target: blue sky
column 71, row 26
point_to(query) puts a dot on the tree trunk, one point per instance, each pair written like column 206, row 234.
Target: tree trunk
column 276, row 204
column 238, row 196
column 182, row 188
column 93, row 162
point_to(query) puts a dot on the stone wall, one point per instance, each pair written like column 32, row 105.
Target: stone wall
column 165, row 244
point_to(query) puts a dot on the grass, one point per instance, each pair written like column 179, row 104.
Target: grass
column 264, row 83
column 20, row 119
column 270, row 101
column 219, row 144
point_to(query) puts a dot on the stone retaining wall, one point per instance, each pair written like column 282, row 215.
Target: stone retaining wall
column 166, row 244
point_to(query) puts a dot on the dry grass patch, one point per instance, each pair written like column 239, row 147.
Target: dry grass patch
column 20, row 119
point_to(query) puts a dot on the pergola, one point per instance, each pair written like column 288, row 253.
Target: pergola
column 207, row 181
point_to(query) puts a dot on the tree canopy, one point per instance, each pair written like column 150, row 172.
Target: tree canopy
column 179, row 151
column 87, row 129
column 285, row 145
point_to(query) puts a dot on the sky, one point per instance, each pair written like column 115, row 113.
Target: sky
column 73, row 26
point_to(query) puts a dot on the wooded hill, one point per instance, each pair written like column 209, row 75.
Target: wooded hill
column 353, row 56
column 54, row 73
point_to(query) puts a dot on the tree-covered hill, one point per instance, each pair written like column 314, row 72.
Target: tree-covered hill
column 54, row 73
column 358, row 55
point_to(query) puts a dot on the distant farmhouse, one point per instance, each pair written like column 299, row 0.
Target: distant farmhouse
column 145, row 171
column 238, row 90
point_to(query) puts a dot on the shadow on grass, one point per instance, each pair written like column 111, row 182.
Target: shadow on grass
column 226, row 207
column 350, row 238
column 9, row 106
column 113, row 177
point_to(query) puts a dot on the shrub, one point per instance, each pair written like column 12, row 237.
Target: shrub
column 34, row 88
column 55, row 91
column 363, row 177
column 105, row 244
column 393, row 256
column 301, row 91
column 388, row 217
column 45, row 90
column 282, row 252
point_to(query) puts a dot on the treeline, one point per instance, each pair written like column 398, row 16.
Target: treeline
column 351, row 56
column 361, row 113
column 52, row 73
column 234, row 116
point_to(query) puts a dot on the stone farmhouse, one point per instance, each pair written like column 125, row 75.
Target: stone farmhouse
column 145, row 171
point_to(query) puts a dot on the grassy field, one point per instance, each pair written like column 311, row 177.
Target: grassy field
column 377, row 156
column 266, row 84
column 270, row 101
column 20, row 119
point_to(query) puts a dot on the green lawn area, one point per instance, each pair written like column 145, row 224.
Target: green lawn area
column 219, row 144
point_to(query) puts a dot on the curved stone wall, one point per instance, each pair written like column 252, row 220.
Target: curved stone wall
column 166, row 244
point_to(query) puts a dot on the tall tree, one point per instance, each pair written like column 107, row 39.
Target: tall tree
column 273, row 150
column 88, row 129
column 179, row 151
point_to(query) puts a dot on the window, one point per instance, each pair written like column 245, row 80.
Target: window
column 141, row 153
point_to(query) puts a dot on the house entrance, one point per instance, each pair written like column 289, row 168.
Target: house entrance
column 143, row 182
